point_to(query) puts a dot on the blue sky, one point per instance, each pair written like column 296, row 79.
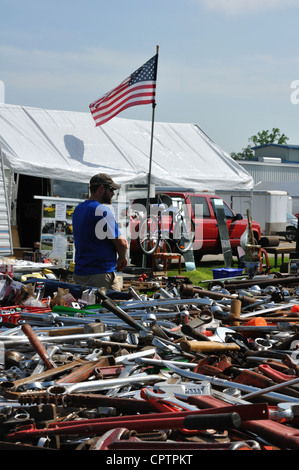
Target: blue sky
column 226, row 65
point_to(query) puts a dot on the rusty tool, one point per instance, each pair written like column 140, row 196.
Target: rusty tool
column 144, row 422
column 258, row 379
column 220, row 421
column 84, row 371
column 123, row 439
column 276, row 375
column 193, row 333
column 9, row 388
column 190, row 290
column 233, row 285
column 290, row 362
column 227, row 383
column 272, row 388
column 96, row 327
column 38, row 346
column 278, row 434
column 110, row 305
column 165, row 401
column 121, row 404
column 288, row 342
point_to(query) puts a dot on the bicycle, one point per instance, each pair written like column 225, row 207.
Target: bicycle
column 153, row 230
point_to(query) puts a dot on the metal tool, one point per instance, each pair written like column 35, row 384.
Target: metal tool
column 226, row 383
column 96, row 385
column 162, row 399
column 150, row 421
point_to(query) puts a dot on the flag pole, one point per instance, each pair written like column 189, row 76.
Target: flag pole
column 151, row 148
column 150, row 162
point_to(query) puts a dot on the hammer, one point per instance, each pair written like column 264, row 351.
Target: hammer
column 206, row 346
column 190, row 291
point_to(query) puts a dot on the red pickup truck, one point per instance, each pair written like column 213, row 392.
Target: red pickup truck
column 202, row 210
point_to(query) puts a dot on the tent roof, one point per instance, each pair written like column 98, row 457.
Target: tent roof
column 67, row 145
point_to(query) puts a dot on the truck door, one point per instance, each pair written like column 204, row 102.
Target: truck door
column 206, row 230
column 235, row 227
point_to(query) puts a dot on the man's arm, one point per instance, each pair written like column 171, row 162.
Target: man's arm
column 121, row 246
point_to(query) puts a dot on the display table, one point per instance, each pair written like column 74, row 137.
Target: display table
column 280, row 250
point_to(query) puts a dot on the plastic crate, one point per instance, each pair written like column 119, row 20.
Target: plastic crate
column 226, row 272
column 37, row 308
column 10, row 314
column 28, row 308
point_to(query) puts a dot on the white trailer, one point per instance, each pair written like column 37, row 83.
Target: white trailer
column 269, row 208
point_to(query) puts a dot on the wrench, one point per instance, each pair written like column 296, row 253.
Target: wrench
column 95, row 385
column 226, row 383
column 160, row 398
column 129, row 368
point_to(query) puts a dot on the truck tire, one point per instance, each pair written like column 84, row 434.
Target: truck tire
column 290, row 234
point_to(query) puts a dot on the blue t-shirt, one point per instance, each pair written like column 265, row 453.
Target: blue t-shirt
column 94, row 227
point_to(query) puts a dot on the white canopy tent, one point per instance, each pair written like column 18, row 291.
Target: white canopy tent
column 66, row 145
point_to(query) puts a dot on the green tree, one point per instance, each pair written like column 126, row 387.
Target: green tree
column 261, row 138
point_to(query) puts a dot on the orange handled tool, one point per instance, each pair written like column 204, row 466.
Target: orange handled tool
column 203, row 346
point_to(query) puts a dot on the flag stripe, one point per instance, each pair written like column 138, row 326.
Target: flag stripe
column 110, row 116
column 139, row 88
column 101, row 113
column 125, row 104
column 118, row 102
column 136, row 99
column 111, row 93
column 123, row 93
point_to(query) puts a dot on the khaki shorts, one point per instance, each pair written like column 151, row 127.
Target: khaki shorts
column 105, row 280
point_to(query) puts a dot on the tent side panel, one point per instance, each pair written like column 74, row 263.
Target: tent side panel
column 6, row 247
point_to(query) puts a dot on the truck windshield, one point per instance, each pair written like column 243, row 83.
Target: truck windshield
column 227, row 211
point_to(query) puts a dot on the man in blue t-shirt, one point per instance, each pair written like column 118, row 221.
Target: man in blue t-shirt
column 100, row 247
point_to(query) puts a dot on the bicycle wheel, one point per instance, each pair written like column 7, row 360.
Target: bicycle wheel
column 149, row 235
column 184, row 235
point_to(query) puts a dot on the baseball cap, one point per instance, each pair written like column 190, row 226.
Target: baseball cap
column 103, row 178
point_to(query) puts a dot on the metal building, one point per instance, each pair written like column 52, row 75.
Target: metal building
column 276, row 167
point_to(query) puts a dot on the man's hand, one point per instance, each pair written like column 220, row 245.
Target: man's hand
column 121, row 264
column 121, row 246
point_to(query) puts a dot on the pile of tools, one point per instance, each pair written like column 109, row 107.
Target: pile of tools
column 179, row 369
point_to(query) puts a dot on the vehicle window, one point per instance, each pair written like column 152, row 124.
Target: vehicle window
column 200, row 200
column 227, row 211
column 177, row 201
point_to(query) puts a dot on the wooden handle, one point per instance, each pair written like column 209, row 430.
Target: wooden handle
column 188, row 346
column 235, row 308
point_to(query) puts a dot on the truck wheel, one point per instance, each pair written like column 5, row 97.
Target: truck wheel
column 290, row 235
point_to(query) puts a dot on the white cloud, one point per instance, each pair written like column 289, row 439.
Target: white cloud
column 236, row 7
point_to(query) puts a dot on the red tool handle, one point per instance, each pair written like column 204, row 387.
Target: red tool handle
column 38, row 346
column 219, row 421
column 285, row 437
column 274, row 374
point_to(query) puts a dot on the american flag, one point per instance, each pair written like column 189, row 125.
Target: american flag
column 138, row 88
